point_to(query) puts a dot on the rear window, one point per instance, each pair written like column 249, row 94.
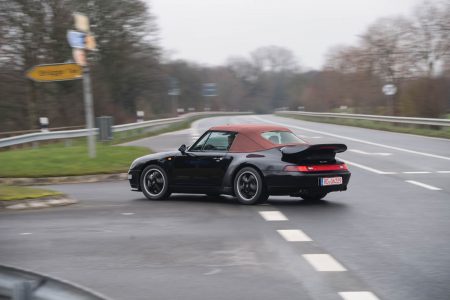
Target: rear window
column 282, row 137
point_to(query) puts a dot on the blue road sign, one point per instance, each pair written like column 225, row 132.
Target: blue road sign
column 76, row 39
column 209, row 90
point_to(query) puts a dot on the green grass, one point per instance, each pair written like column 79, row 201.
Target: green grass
column 70, row 158
column 57, row 160
column 8, row 193
column 425, row 130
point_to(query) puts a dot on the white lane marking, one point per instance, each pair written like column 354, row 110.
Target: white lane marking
column 368, row 153
column 324, row 263
column 430, row 187
column 316, row 137
column 273, row 215
column 294, row 235
column 366, row 167
column 443, row 172
column 363, row 295
column 356, row 140
column 213, row 272
column 127, row 214
column 25, row 233
column 417, row 172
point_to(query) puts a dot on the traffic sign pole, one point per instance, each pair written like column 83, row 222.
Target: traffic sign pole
column 89, row 111
column 390, row 90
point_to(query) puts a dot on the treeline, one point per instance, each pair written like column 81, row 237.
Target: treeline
column 126, row 71
column 413, row 53
column 130, row 71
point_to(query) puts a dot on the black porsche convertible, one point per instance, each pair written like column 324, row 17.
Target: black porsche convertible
column 250, row 162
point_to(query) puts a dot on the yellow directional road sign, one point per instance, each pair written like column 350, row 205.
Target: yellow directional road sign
column 55, row 72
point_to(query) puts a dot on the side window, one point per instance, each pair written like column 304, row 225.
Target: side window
column 282, row 137
column 219, row 141
column 200, row 143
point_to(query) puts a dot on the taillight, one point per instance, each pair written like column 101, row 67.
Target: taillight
column 316, row 168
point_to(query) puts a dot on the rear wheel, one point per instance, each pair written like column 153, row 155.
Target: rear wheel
column 155, row 183
column 249, row 187
column 313, row 196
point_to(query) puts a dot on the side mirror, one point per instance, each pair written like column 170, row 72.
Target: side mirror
column 182, row 148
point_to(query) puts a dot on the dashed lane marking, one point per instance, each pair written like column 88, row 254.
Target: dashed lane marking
column 324, row 263
column 417, row 172
column 294, row 235
column 366, row 167
column 430, row 187
column 355, row 139
column 273, row 215
column 25, row 233
column 363, row 295
column 127, row 213
column 443, row 172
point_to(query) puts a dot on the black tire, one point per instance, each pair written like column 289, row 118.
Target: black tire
column 313, row 196
column 249, row 187
column 155, row 183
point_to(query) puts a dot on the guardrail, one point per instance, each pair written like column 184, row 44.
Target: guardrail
column 19, row 284
column 69, row 134
column 391, row 119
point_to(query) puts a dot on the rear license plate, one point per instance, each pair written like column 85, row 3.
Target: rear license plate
column 330, row 181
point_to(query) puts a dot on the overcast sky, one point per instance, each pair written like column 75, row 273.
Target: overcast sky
column 210, row 31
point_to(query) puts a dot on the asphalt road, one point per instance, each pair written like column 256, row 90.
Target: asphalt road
column 387, row 237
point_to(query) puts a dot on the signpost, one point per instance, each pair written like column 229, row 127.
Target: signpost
column 55, row 72
column 80, row 41
column 390, row 90
column 76, row 39
column 209, row 90
column 174, row 92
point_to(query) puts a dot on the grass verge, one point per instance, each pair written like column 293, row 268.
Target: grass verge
column 57, row 160
column 70, row 158
column 386, row 126
column 9, row 192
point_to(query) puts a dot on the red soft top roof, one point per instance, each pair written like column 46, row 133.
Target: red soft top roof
column 249, row 137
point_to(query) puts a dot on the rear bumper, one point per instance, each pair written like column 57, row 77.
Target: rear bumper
column 289, row 183
column 133, row 178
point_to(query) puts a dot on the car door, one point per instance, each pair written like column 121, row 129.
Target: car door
column 214, row 160
column 185, row 166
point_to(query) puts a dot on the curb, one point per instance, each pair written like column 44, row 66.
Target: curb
column 64, row 179
column 37, row 203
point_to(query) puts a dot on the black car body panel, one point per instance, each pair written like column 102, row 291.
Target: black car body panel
column 205, row 172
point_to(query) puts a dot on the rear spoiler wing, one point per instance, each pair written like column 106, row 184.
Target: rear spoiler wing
column 312, row 152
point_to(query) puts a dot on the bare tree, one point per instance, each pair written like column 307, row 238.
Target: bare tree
column 430, row 38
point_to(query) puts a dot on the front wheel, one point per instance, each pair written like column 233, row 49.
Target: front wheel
column 313, row 196
column 155, row 183
column 249, row 187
